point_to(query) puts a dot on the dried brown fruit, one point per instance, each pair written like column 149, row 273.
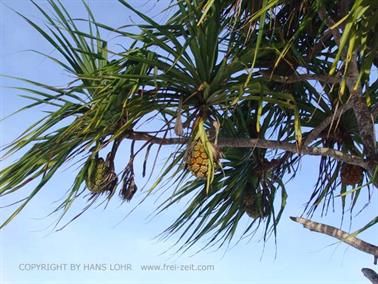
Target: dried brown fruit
column 351, row 174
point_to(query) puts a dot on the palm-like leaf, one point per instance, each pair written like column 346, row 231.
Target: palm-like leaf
column 246, row 67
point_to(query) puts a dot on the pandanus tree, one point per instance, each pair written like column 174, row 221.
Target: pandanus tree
column 243, row 88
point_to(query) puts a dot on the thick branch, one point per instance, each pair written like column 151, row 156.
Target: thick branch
column 374, row 111
column 340, row 235
column 292, row 147
column 258, row 143
column 365, row 120
column 366, row 128
column 370, row 274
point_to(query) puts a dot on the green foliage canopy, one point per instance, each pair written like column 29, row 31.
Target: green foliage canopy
column 268, row 81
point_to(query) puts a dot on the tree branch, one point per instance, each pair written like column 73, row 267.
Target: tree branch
column 330, row 23
column 340, row 235
column 374, row 111
column 292, row 147
column 143, row 136
column 315, row 133
column 365, row 120
column 370, row 274
column 257, row 143
column 319, row 46
column 301, row 78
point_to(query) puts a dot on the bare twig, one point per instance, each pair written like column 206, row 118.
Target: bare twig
column 340, row 235
column 143, row 136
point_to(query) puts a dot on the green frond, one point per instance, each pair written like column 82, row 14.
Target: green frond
column 269, row 70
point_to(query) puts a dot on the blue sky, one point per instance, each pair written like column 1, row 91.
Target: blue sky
column 103, row 237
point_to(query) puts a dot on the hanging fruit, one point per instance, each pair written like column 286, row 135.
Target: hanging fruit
column 100, row 176
column 198, row 160
column 129, row 187
column 351, row 174
column 201, row 155
column 255, row 204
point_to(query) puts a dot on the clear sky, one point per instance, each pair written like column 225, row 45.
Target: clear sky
column 103, row 237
